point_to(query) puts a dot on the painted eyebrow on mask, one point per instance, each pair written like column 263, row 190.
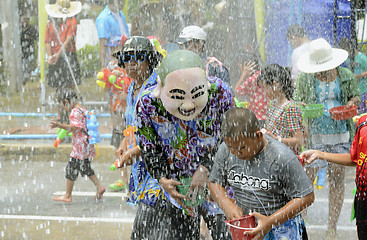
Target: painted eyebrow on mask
column 197, row 88
column 177, row 91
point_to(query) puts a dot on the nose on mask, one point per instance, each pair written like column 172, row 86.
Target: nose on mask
column 188, row 105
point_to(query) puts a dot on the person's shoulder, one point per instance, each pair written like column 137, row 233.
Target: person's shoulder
column 147, row 95
column 77, row 112
column 345, row 74
column 362, row 57
column 223, row 153
column 293, row 105
column 278, row 152
column 217, row 85
column 103, row 14
column 72, row 21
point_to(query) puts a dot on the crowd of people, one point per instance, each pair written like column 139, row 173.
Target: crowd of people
column 188, row 129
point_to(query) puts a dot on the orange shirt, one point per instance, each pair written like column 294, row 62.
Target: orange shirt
column 67, row 28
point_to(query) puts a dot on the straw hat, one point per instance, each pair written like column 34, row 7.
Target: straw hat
column 63, row 9
column 321, row 57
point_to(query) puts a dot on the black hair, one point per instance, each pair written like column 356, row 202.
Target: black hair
column 276, row 73
column 296, row 30
column 240, row 121
column 63, row 94
column 346, row 44
column 153, row 59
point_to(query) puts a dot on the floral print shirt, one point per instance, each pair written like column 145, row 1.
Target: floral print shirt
column 81, row 147
column 174, row 148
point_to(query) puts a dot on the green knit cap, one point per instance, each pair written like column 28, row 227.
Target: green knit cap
column 180, row 59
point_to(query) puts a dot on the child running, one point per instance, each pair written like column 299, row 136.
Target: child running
column 356, row 157
column 284, row 120
column 268, row 180
column 83, row 152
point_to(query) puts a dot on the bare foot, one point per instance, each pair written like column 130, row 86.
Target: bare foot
column 100, row 192
column 62, row 199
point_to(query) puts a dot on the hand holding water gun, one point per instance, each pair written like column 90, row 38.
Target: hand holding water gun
column 61, row 134
column 128, row 150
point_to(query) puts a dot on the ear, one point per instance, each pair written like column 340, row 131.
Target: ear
column 259, row 134
column 158, row 89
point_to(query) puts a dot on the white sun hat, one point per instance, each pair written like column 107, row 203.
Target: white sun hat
column 321, row 57
column 63, row 8
column 190, row 33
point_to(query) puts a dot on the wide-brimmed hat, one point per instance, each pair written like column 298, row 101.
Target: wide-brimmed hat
column 321, row 57
column 63, row 8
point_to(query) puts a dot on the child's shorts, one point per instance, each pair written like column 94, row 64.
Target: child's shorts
column 292, row 229
column 76, row 166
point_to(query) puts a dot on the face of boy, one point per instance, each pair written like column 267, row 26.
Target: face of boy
column 136, row 70
column 243, row 147
column 185, row 93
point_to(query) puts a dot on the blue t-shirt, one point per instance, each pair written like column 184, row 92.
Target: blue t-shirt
column 110, row 24
column 328, row 94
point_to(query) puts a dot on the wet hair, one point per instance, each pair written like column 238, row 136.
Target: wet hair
column 240, row 121
column 276, row 73
column 66, row 94
column 153, row 59
column 346, row 44
column 296, row 30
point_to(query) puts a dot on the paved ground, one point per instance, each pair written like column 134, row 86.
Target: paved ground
column 28, row 212
column 31, row 172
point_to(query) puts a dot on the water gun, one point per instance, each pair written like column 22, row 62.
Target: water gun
column 106, row 79
column 159, row 47
column 320, row 178
column 240, row 104
column 61, row 134
column 356, row 118
column 129, row 134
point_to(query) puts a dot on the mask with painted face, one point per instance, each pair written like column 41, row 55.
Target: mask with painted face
column 185, row 93
column 184, row 89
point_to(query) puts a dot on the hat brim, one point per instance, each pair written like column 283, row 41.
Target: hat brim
column 53, row 10
column 182, row 40
column 116, row 52
column 305, row 65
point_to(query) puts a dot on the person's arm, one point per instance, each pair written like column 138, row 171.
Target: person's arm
column 353, row 101
column 69, row 128
column 102, row 51
column 71, row 33
column 295, row 123
column 287, row 212
column 362, row 75
column 338, row 158
column 296, row 187
column 150, row 143
column 218, row 193
column 49, row 52
column 247, row 71
column 354, row 95
column 296, row 141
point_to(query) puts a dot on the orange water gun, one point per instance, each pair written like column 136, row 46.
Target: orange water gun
column 129, row 134
column 61, row 134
